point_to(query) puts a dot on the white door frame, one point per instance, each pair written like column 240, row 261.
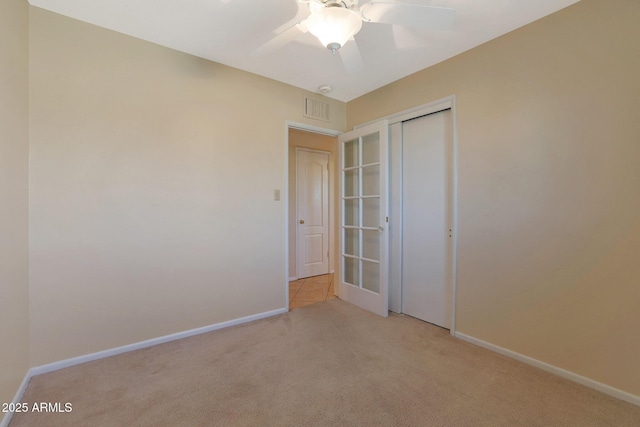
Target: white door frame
column 285, row 194
column 422, row 110
column 327, row 208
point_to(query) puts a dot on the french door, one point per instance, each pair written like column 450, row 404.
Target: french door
column 364, row 217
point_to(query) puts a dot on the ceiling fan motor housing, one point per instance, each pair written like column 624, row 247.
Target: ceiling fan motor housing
column 347, row 4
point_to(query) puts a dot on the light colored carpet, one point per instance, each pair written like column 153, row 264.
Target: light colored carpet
column 328, row 364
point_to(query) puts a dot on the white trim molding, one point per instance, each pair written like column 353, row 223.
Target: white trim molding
column 417, row 111
column 572, row 376
column 309, row 128
column 50, row 367
column 17, row 398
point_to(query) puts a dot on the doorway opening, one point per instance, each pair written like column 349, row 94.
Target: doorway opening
column 312, row 214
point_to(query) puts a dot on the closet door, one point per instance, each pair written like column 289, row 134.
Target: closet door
column 427, row 218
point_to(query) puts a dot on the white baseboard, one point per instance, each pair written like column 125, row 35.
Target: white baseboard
column 43, row 369
column 16, row 399
column 611, row 391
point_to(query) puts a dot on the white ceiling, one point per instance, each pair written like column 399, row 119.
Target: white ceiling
column 227, row 31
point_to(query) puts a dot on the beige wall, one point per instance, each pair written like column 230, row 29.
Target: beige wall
column 549, row 186
column 14, row 197
column 152, row 179
column 152, row 204
column 315, row 141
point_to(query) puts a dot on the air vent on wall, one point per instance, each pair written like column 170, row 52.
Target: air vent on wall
column 316, row 109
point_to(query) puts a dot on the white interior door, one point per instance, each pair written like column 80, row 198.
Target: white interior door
column 427, row 218
column 312, row 186
column 364, row 217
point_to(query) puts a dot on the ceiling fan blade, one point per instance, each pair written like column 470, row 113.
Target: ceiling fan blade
column 411, row 15
column 282, row 39
column 406, row 38
column 350, row 55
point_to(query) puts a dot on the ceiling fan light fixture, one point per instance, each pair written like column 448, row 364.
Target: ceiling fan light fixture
column 334, row 25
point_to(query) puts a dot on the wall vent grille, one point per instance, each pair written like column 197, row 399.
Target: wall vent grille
column 316, row 109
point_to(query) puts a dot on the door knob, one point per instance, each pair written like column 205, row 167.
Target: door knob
column 302, row 221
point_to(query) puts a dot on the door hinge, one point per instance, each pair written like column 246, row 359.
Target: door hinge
column 387, row 219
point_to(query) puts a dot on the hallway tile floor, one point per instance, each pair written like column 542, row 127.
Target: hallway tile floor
column 310, row 290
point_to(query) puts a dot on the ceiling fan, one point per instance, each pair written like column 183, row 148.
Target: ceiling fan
column 336, row 22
